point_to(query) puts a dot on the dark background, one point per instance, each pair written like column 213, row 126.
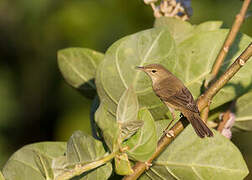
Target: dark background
column 35, row 102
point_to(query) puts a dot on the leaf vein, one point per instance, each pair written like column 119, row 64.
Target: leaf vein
column 78, row 73
column 197, row 173
column 146, row 55
column 118, row 67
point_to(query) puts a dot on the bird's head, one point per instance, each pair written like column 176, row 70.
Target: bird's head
column 155, row 71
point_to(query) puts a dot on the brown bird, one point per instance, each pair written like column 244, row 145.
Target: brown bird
column 176, row 96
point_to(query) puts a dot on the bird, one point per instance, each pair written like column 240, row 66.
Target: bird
column 175, row 95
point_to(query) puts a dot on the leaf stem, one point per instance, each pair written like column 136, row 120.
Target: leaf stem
column 79, row 169
column 203, row 101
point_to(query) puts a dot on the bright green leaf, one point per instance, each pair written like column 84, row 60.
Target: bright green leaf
column 82, row 149
column 208, row 26
column 78, row 66
column 109, row 127
column 127, row 108
column 143, row 144
column 126, row 114
column 190, row 157
column 122, row 165
column 182, row 30
column 117, row 72
column 243, row 112
column 34, row 161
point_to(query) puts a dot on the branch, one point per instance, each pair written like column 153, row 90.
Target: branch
column 203, row 101
column 224, row 50
column 79, row 169
column 229, row 41
column 206, row 98
column 204, row 114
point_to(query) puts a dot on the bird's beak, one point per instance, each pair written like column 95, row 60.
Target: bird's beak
column 140, row 67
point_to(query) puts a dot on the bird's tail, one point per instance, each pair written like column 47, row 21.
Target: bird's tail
column 199, row 126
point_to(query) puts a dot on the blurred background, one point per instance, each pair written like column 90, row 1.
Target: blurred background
column 35, row 102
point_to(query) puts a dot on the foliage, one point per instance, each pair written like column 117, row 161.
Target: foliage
column 130, row 116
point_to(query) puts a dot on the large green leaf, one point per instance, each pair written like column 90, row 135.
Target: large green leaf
column 78, row 66
column 34, row 161
column 181, row 30
column 109, row 127
column 190, row 157
column 143, row 144
column 117, row 72
column 243, row 112
column 83, row 149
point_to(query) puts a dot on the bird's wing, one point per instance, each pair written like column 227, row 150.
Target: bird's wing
column 181, row 98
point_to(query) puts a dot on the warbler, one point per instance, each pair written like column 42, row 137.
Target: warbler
column 176, row 96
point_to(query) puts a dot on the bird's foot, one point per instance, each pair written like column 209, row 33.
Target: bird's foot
column 169, row 133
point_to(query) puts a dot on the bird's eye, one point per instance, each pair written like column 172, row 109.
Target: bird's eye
column 153, row 71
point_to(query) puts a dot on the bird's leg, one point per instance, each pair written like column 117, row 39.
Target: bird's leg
column 170, row 133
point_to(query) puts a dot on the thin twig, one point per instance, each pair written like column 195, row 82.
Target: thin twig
column 225, row 48
column 204, row 114
column 229, row 40
column 202, row 102
column 206, row 98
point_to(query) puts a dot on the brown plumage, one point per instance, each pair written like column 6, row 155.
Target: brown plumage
column 176, row 96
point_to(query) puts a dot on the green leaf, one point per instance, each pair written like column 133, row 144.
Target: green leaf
column 83, row 149
column 127, row 108
column 182, row 30
column 117, row 72
column 208, row 26
column 78, row 66
column 126, row 114
column 190, row 157
column 109, row 127
column 122, row 164
column 143, row 144
column 34, row 161
column 243, row 112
